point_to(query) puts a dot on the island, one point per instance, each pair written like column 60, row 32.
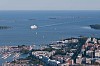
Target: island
column 4, row 27
column 52, row 18
column 95, row 26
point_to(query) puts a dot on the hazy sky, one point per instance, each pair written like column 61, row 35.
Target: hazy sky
column 49, row 4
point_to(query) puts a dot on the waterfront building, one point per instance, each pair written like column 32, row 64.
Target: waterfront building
column 97, row 53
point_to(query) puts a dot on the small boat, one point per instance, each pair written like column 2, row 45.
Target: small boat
column 33, row 27
column 5, row 56
column 16, row 55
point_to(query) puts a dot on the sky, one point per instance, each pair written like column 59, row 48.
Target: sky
column 49, row 4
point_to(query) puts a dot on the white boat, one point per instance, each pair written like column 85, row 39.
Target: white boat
column 5, row 56
column 33, row 27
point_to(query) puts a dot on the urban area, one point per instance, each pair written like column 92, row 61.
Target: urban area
column 79, row 51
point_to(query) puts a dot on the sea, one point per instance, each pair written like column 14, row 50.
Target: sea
column 52, row 25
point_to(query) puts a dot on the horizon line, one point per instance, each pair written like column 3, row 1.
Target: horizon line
column 55, row 10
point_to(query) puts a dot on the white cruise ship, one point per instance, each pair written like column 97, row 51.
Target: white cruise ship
column 34, row 27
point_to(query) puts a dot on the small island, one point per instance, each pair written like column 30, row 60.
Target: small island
column 4, row 27
column 95, row 26
column 52, row 18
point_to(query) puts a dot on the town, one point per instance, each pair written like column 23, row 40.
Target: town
column 79, row 51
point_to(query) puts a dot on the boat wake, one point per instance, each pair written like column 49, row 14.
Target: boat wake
column 86, row 27
column 53, row 25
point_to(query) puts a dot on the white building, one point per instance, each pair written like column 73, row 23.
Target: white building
column 64, row 64
column 89, row 53
column 97, row 53
column 53, row 63
column 79, row 60
column 88, row 60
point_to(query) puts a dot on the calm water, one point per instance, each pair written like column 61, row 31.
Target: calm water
column 66, row 24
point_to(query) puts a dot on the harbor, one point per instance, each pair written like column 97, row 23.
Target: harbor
column 9, row 53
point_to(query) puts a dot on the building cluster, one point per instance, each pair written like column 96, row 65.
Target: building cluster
column 69, row 40
column 60, row 55
column 63, row 43
column 90, row 52
column 45, row 57
column 13, row 49
column 20, row 62
column 67, row 52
